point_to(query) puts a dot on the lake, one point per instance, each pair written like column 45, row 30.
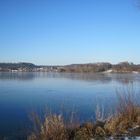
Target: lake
column 23, row 93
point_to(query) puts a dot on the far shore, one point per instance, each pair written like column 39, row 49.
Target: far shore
column 102, row 67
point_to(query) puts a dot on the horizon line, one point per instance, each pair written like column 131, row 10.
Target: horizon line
column 130, row 62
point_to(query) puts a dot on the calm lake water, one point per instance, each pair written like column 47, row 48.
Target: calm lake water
column 22, row 93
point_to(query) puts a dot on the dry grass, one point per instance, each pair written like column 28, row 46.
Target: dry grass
column 127, row 116
column 53, row 128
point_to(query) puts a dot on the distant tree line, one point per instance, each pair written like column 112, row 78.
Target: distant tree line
column 101, row 67
column 77, row 68
column 16, row 66
column 125, row 67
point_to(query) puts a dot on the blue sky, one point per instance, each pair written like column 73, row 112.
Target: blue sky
column 61, row 32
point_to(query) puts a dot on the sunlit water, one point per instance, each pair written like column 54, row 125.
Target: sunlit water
column 23, row 93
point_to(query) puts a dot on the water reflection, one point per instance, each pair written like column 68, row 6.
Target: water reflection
column 17, row 76
column 90, row 77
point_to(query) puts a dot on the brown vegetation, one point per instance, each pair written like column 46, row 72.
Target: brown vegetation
column 97, row 67
column 53, row 128
column 126, row 120
column 122, row 67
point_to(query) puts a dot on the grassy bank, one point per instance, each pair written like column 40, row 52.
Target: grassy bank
column 125, row 121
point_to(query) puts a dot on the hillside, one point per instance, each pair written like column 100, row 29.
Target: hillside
column 122, row 67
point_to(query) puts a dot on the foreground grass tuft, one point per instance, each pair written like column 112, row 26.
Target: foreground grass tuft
column 53, row 128
column 126, row 118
